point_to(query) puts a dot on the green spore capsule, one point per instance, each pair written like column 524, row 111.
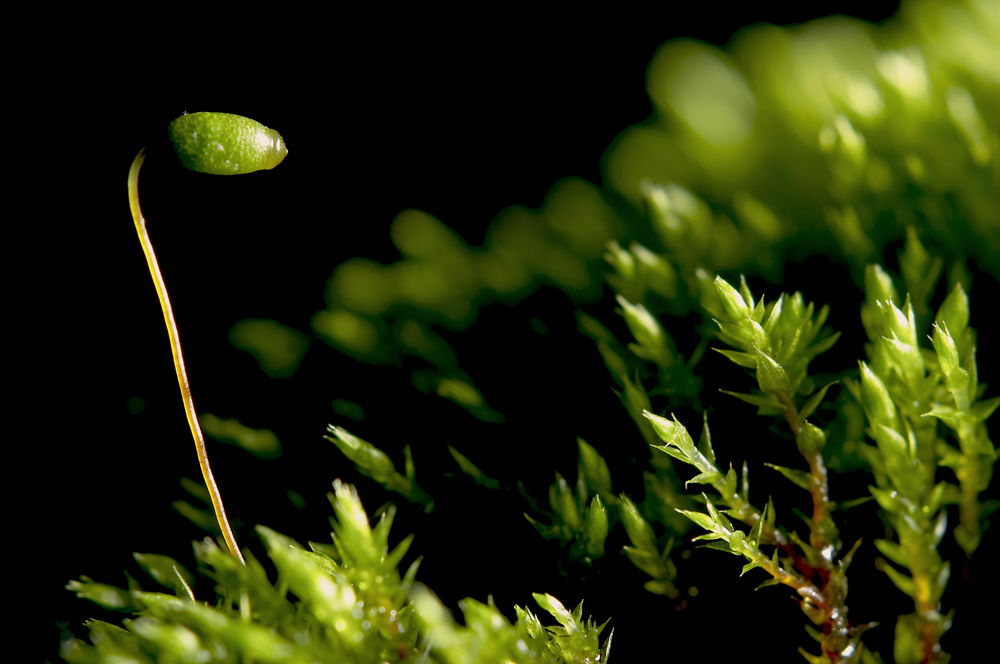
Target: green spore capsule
column 225, row 144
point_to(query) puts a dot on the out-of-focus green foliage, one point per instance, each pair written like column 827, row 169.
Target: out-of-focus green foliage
column 259, row 442
column 350, row 604
column 277, row 348
column 834, row 137
column 831, row 136
column 384, row 313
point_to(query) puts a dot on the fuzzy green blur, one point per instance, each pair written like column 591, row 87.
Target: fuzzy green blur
column 225, row 144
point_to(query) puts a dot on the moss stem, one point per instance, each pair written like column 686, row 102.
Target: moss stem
column 175, row 349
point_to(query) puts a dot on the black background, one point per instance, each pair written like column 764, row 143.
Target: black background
column 459, row 116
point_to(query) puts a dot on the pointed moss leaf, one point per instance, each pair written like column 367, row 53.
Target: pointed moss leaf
column 919, row 268
column 705, row 441
column 824, row 344
column 942, row 578
column 948, row 415
column 563, row 502
column 770, row 517
column 845, row 505
column 735, row 306
column 380, row 531
column 730, row 486
column 893, row 551
column 529, row 620
column 163, row 569
column 674, row 452
column 557, row 611
column 197, row 489
column 326, row 599
column 947, row 351
column 936, row 498
column 813, row 659
column 275, row 540
column 940, row 526
column 248, row 578
column 887, row 500
column 774, row 314
column 747, row 295
column 371, row 460
column 638, row 530
column 719, row 543
column 606, row 648
column 546, row 531
column 903, row 582
column 671, row 432
column 734, row 334
column 742, row 359
column 633, row 396
column 396, row 555
column 113, row 637
column 717, row 516
column 709, row 477
column 893, row 446
column 204, row 519
column 771, row 376
column 708, row 536
column 376, row 464
column 758, row 338
column 102, row 594
column 897, row 322
column 802, row 515
column 810, row 406
column 354, row 534
column 596, row 527
column 981, row 410
column 648, row 562
column 713, row 512
column 595, row 469
column 409, row 578
column 168, row 640
column 749, row 566
column 183, row 587
column 321, row 561
column 954, row 311
column 846, row 559
column 799, row 478
column 703, row 520
column 772, row 581
column 876, row 400
column 653, row 342
column 409, row 468
column 879, row 286
column 767, row 403
column 758, row 527
column 262, row 443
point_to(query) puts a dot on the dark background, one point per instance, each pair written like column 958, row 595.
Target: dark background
column 381, row 113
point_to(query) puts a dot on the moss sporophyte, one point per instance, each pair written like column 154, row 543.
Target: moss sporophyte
column 221, row 144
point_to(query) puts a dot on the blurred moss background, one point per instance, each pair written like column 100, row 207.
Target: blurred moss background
column 413, row 270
